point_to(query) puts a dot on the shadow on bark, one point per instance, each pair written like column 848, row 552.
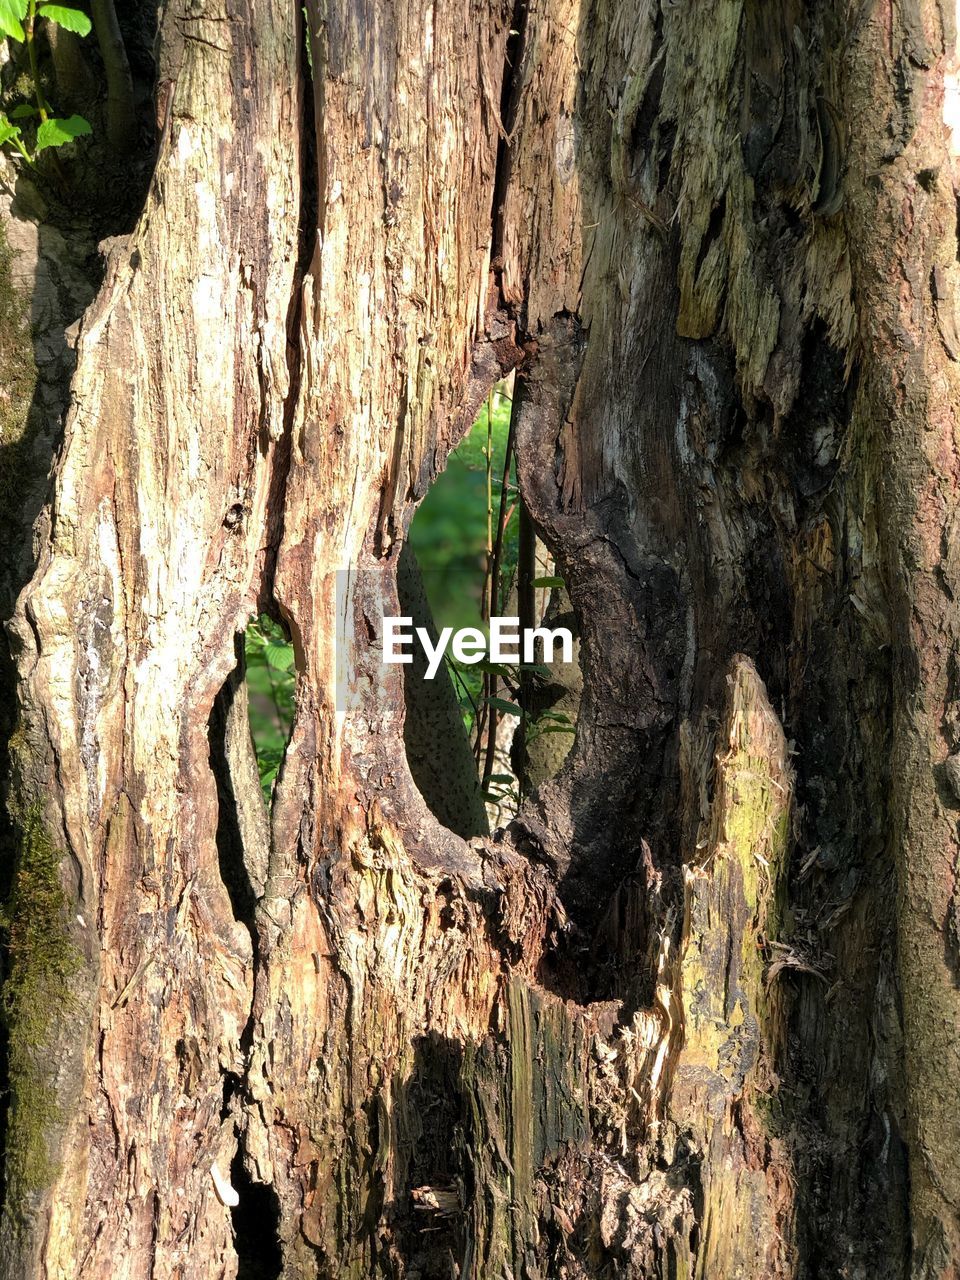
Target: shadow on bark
column 430, row 1134
column 255, row 1223
column 242, row 829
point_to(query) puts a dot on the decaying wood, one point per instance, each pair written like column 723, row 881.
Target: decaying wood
column 694, row 1012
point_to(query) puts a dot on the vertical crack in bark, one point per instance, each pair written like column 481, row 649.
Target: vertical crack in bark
column 511, row 89
column 307, row 236
column 247, row 846
column 243, row 831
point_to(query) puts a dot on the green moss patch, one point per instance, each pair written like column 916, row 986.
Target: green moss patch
column 42, row 960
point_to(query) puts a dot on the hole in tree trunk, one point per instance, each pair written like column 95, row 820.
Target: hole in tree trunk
column 256, row 1221
column 445, row 576
column 465, row 562
column 477, row 734
column 433, row 1136
column 271, row 688
column 243, row 835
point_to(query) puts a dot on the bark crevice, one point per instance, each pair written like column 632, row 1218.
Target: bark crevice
column 242, row 824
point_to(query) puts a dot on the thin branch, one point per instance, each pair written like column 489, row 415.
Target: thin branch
column 496, row 559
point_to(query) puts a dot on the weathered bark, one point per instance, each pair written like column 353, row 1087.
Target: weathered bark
column 151, row 563
column 654, row 1028
column 551, row 703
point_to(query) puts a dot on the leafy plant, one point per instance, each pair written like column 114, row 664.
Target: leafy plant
column 516, row 679
column 270, row 682
column 454, row 532
column 18, row 21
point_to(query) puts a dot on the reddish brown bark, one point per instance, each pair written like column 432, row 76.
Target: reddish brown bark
column 654, row 1027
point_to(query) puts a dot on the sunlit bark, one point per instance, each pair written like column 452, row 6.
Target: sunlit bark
column 695, row 1012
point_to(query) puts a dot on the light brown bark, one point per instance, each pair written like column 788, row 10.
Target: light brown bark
column 151, row 561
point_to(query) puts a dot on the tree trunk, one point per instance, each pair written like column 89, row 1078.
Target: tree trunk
column 695, row 1011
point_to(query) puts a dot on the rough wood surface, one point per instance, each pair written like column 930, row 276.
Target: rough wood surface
column 152, row 561
column 654, row 1027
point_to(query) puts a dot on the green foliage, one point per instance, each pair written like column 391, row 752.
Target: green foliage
column 16, row 17
column 18, row 21
column 508, row 708
column 449, row 536
column 36, row 993
column 12, row 13
column 8, row 132
column 54, row 133
column 449, row 531
column 12, row 133
column 307, row 42
column 271, row 680
column 70, row 19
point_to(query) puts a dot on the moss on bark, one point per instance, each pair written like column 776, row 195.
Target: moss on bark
column 36, row 994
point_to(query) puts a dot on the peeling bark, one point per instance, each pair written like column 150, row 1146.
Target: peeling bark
column 694, row 1011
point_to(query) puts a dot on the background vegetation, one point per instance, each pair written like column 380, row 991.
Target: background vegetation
column 450, row 536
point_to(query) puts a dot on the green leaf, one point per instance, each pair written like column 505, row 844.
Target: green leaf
column 497, row 668
column 508, row 708
column 279, row 656
column 69, row 19
column 55, row 132
column 24, row 112
column 8, row 131
column 12, row 14
column 497, row 797
column 548, row 582
column 508, row 778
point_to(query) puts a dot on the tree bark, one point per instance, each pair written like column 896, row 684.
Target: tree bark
column 695, row 1011
column 120, row 114
column 150, row 564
